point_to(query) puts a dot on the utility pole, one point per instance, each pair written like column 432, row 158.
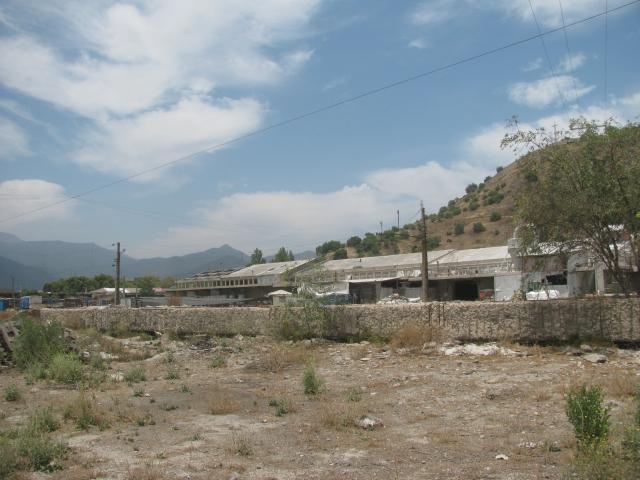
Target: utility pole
column 398, row 212
column 381, row 228
column 425, row 259
column 118, row 274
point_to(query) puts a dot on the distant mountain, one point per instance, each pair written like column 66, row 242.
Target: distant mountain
column 18, row 276
column 50, row 260
column 9, row 238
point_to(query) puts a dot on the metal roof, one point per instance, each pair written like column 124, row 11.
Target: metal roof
column 476, row 255
column 260, row 269
column 386, row 261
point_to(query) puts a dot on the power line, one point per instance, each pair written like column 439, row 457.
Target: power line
column 569, row 59
column 546, row 54
column 325, row 108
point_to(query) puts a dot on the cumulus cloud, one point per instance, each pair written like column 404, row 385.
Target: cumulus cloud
column 548, row 91
column 130, row 65
column 432, row 12
column 533, row 65
column 13, row 141
column 572, row 62
column 18, row 196
column 166, row 134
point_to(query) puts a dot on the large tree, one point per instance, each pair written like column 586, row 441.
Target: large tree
column 582, row 191
column 256, row 257
column 283, row 256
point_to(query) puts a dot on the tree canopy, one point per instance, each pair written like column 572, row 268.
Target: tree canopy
column 582, row 192
column 283, row 256
column 256, row 257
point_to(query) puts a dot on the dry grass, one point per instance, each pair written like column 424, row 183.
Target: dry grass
column 623, row 385
column 146, row 472
column 241, row 445
column 414, row 336
column 280, row 358
column 222, row 403
column 341, row 415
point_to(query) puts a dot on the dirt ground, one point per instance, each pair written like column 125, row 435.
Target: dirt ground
column 204, row 411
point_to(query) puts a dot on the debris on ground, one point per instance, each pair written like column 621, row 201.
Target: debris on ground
column 595, row 358
column 369, row 423
column 501, row 456
column 397, row 299
column 475, row 349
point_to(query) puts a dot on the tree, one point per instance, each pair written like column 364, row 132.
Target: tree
column 256, row 257
column 330, row 246
column 472, row 187
column 340, row 254
column 291, row 256
column 282, row 255
column 459, row 229
column 582, row 192
column 146, row 285
column 354, row 241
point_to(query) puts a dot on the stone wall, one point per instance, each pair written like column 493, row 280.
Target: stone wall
column 558, row 320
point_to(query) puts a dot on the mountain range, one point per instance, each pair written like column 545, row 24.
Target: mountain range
column 29, row 264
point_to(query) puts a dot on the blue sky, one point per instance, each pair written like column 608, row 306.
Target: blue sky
column 93, row 93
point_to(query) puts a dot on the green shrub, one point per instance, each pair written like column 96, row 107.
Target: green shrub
column 135, row 375
column 66, row 368
column 172, row 374
column 37, row 344
column 458, row 229
column 12, row 394
column 587, row 415
column 85, row 413
column 38, row 451
column 474, row 205
column 478, row 227
column 311, row 382
column 282, row 405
column 8, row 457
column 495, row 216
column 217, row 362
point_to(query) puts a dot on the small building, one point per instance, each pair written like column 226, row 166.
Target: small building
column 280, row 298
column 107, row 296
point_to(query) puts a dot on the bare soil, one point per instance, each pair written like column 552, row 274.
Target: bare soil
column 443, row 416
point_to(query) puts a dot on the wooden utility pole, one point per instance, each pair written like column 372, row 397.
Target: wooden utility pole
column 398, row 212
column 118, row 274
column 425, row 259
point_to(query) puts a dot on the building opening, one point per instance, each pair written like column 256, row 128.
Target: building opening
column 465, row 290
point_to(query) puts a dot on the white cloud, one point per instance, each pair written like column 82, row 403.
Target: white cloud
column 335, row 83
column 548, row 91
column 572, row 62
column 419, row 43
column 533, row 65
column 435, row 11
column 13, row 141
column 18, row 196
column 165, row 134
column 135, row 70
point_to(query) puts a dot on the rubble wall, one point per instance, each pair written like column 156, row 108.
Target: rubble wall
column 558, row 320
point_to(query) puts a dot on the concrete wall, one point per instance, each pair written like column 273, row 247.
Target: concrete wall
column 558, row 320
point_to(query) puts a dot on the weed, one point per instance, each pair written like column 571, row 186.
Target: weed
column 12, row 394
column 43, row 421
column 282, row 406
column 352, row 395
column 138, row 392
column 196, row 437
column 218, row 361
column 172, row 374
column 169, row 407
column 38, row 451
column 85, row 413
column 97, row 362
column 169, row 357
column 185, row 388
column 279, row 358
column 311, row 382
column 340, row 416
column 587, row 415
column 135, row 375
column 66, row 368
column 146, row 419
column 37, row 344
column 241, row 445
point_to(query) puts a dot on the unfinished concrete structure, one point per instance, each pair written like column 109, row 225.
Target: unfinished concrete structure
column 247, row 285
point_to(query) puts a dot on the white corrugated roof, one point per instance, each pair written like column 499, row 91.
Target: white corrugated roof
column 476, row 255
column 385, row 261
column 275, row 268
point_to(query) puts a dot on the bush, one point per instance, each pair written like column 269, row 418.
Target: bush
column 587, row 415
column 38, row 451
column 472, row 187
column 478, row 227
column 433, row 242
column 495, row 216
column 85, row 413
column 135, row 375
column 37, row 344
column 65, row 368
column 282, row 405
column 12, row 394
column 499, row 169
column 43, row 421
column 474, row 205
column 311, row 382
column 459, row 229
column 354, row 241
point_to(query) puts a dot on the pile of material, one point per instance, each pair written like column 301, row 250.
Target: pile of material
column 393, row 299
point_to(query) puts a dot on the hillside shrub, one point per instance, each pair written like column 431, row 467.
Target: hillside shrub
column 65, row 368
column 474, row 205
column 340, row 254
column 12, row 394
column 433, row 242
column 458, row 229
column 311, row 382
column 478, row 227
column 472, row 187
column 495, row 216
column 354, row 241
column 499, row 169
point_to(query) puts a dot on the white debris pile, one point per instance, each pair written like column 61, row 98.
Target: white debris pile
column 475, row 349
column 396, row 299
